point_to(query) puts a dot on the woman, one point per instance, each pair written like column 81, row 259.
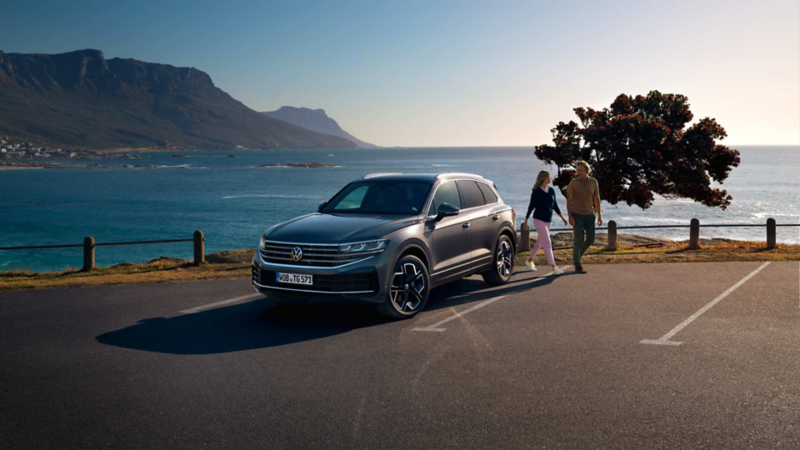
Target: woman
column 543, row 202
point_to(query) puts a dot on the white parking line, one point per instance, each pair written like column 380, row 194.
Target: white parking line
column 222, row 303
column 435, row 327
column 664, row 340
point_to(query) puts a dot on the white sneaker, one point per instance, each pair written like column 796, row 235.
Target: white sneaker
column 530, row 265
column 557, row 271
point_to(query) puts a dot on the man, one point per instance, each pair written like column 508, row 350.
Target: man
column 583, row 200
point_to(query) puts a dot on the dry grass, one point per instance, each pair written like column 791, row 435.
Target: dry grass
column 235, row 264
column 157, row 271
column 712, row 250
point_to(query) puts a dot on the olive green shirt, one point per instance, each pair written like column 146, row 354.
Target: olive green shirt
column 583, row 192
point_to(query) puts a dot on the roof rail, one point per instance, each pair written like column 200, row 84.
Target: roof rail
column 456, row 174
column 373, row 175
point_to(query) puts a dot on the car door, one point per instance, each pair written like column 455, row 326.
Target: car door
column 481, row 226
column 452, row 246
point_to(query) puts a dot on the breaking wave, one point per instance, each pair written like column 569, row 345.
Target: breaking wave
column 651, row 220
column 766, row 215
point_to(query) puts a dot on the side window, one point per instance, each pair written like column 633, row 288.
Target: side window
column 354, row 199
column 471, row 193
column 488, row 194
column 446, row 193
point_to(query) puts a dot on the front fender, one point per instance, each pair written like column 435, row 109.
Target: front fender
column 417, row 244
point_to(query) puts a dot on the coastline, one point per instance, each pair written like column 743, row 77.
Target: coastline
column 2, row 167
column 27, row 165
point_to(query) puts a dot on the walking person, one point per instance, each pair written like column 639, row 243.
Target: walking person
column 543, row 203
column 583, row 201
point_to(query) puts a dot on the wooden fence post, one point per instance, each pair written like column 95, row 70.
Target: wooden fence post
column 88, row 254
column 694, row 234
column 771, row 233
column 524, row 238
column 199, row 248
column 612, row 235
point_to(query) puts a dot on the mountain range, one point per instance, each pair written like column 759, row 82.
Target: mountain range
column 315, row 120
column 82, row 99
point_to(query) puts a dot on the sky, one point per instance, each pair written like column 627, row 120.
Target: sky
column 454, row 73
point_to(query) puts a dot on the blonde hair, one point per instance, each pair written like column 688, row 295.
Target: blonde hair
column 543, row 175
column 585, row 165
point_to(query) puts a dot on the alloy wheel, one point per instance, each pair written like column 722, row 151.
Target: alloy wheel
column 505, row 259
column 408, row 286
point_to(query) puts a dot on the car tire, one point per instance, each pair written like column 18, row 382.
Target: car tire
column 409, row 287
column 502, row 263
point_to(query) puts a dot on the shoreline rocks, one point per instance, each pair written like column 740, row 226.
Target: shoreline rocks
column 22, row 165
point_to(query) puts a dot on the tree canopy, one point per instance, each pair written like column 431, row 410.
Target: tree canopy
column 640, row 146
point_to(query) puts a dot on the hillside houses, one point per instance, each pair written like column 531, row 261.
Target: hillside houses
column 27, row 150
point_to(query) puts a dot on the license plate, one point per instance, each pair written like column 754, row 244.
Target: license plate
column 294, row 278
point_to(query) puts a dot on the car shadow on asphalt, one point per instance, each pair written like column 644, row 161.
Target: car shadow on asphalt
column 259, row 324
column 244, row 326
column 474, row 289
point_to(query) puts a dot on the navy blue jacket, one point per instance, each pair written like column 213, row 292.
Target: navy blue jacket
column 542, row 204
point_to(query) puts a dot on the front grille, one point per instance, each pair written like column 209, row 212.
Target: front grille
column 314, row 255
column 349, row 282
column 256, row 275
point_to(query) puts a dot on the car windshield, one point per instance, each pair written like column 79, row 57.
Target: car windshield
column 380, row 197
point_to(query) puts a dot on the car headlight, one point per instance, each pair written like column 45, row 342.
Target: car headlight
column 367, row 246
column 263, row 244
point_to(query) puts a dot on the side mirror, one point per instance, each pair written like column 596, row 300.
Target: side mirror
column 446, row 210
column 321, row 205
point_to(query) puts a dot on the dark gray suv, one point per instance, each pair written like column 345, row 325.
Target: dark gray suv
column 387, row 240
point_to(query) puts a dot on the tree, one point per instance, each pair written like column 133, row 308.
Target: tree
column 639, row 147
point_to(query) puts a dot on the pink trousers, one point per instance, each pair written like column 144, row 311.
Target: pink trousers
column 543, row 241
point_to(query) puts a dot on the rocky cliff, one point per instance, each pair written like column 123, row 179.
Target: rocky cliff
column 315, row 120
column 82, row 99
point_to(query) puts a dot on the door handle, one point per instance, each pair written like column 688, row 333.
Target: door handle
column 495, row 217
column 466, row 225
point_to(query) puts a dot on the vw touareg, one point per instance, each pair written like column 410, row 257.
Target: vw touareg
column 387, row 240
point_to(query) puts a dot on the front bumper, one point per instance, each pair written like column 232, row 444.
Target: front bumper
column 360, row 283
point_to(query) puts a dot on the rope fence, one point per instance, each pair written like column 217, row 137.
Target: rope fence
column 694, row 232
column 198, row 239
column 89, row 246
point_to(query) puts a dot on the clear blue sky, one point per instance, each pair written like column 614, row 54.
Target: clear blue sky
column 453, row 73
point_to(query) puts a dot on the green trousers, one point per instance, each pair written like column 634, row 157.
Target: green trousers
column 583, row 223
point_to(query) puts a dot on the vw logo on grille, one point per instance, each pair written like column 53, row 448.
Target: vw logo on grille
column 297, row 254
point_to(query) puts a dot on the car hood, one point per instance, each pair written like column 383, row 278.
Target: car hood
column 336, row 228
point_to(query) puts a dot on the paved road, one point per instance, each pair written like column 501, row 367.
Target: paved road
column 553, row 363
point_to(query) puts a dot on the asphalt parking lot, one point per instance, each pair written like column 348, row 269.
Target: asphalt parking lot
column 626, row 356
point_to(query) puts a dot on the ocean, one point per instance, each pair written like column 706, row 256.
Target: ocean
column 233, row 201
